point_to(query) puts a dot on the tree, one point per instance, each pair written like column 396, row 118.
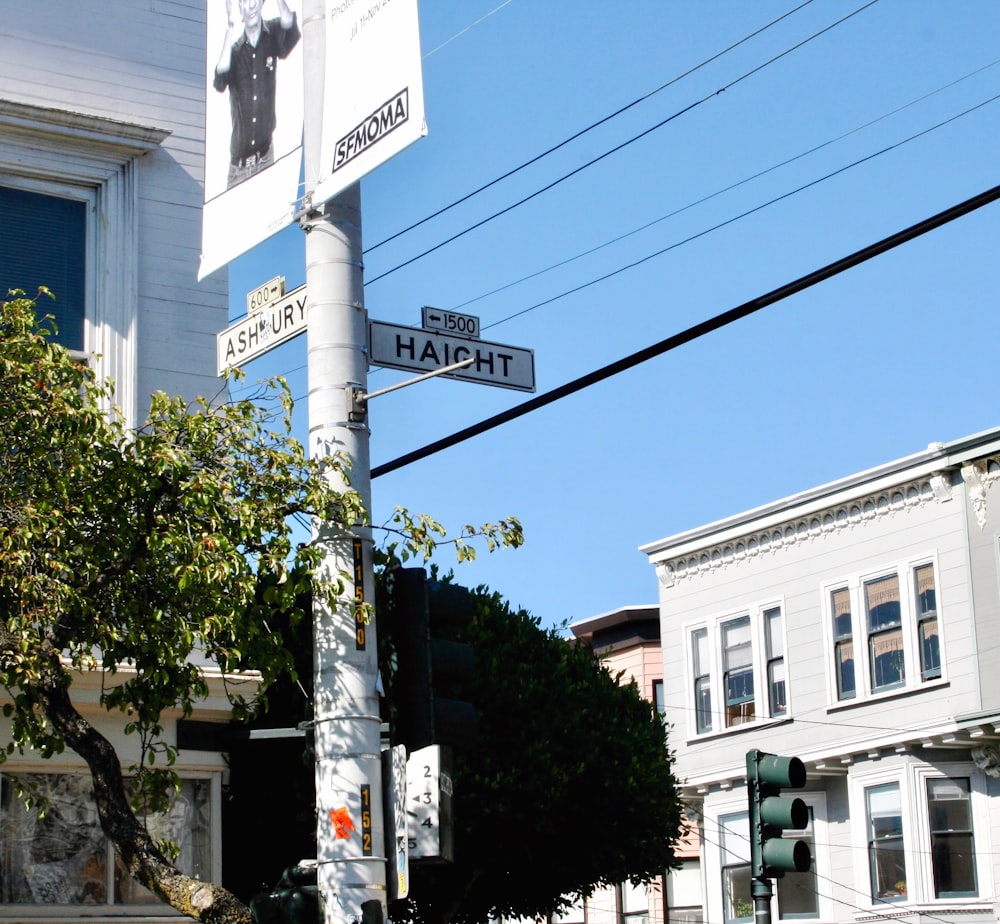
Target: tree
column 129, row 553
column 569, row 785
column 139, row 554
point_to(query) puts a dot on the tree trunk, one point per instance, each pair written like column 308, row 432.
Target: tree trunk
column 202, row 901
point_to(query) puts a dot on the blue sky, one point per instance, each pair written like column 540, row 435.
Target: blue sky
column 867, row 367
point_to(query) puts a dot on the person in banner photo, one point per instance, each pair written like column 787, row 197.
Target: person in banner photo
column 248, row 66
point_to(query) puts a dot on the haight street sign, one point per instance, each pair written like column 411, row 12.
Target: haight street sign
column 261, row 331
column 415, row 349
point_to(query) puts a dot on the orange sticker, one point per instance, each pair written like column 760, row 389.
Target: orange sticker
column 342, row 824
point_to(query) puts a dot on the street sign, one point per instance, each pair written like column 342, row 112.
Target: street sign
column 262, row 331
column 414, row 349
column 395, row 785
column 264, row 295
column 430, row 824
column 461, row 325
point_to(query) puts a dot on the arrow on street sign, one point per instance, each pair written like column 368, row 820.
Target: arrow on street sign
column 415, row 349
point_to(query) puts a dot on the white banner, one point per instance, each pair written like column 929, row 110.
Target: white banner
column 373, row 95
column 253, row 125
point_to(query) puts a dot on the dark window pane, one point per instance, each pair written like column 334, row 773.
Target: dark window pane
column 952, row 846
column 43, row 243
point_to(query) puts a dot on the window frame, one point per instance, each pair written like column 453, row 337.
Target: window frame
column 715, row 811
column 861, row 636
column 911, row 776
column 74, row 155
column 713, row 676
column 155, row 909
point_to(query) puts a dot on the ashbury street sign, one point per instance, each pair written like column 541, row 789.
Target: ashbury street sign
column 261, row 331
column 415, row 349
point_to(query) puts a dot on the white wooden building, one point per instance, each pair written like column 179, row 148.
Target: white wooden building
column 101, row 168
column 855, row 626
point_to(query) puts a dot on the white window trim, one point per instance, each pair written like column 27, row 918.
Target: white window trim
column 712, row 856
column 762, row 706
column 863, row 691
column 912, row 776
column 97, row 160
column 150, row 913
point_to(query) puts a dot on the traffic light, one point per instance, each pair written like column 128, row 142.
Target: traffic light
column 294, row 900
column 770, row 813
column 432, row 669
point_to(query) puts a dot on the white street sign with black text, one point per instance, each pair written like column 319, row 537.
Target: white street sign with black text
column 262, row 331
column 415, row 349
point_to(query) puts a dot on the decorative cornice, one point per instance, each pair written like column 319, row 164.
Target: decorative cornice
column 80, row 128
column 979, row 476
column 889, row 502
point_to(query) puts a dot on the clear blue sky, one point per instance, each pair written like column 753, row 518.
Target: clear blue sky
column 862, row 369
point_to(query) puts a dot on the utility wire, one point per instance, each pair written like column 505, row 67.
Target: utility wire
column 459, row 34
column 716, row 194
column 621, row 146
column 582, row 131
column 733, row 219
column 712, row 196
column 699, row 330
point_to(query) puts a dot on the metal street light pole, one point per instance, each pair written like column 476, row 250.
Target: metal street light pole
column 350, row 826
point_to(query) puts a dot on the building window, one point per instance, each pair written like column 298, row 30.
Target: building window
column 684, row 893
column 702, row 658
column 737, row 667
column 886, row 860
column 85, row 182
column 45, row 244
column 885, row 632
column 843, row 642
column 734, row 831
column 634, row 903
column 798, row 893
column 953, row 855
column 744, row 658
column 658, row 701
column 774, row 641
column 927, row 623
column 55, row 853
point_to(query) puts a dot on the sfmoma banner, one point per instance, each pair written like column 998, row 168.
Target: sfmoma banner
column 373, row 103
column 253, row 125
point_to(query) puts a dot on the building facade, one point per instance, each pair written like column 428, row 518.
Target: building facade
column 627, row 641
column 854, row 626
column 101, row 167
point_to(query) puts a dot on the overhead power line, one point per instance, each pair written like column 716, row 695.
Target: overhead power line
column 698, row 330
column 619, row 147
column 713, row 195
column 582, row 131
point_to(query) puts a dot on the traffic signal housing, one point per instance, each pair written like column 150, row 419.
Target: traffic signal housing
column 771, row 855
column 433, row 670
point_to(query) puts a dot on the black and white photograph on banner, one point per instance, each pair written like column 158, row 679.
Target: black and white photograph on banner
column 253, row 124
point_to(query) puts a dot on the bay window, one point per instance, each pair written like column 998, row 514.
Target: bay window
column 742, row 657
column 884, row 631
column 921, row 822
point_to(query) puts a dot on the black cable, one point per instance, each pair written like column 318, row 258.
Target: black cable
column 583, row 131
column 713, row 195
column 618, row 147
column 733, row 219
column 698, row 330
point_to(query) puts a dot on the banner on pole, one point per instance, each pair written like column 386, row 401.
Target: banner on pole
column 373, row 94
column 253, row 125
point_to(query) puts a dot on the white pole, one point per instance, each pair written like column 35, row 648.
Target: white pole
column 350, row 826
